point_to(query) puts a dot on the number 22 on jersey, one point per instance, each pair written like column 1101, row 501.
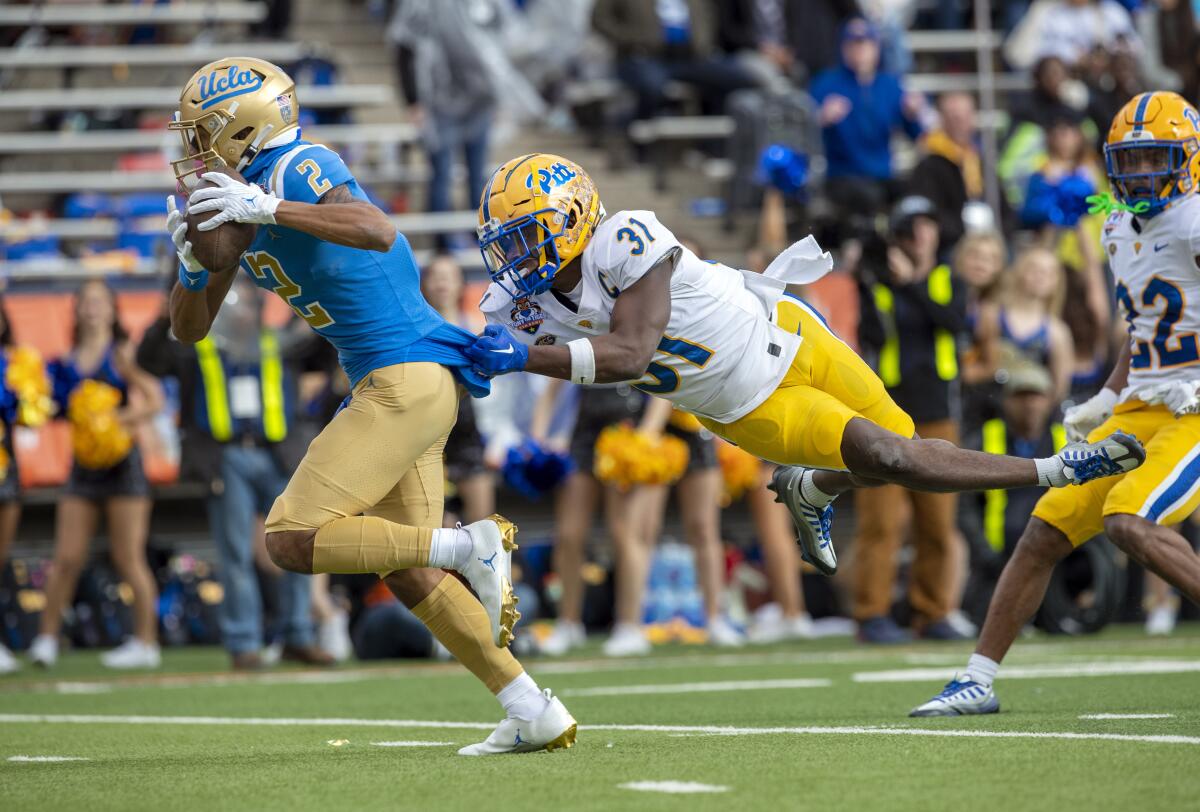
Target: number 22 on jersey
column 1171, row 351
column 267, row 268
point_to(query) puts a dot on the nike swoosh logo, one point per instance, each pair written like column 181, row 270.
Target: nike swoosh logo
column 505, row 351
column 1158, row 248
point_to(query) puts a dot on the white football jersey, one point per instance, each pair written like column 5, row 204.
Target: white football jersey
column 721, row 355
column 1155, row 261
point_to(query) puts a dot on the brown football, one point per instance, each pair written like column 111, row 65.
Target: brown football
column 220, row 249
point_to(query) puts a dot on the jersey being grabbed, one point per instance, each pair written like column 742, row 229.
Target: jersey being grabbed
column 721, row 355
column 368, row 304
column 1155, row 261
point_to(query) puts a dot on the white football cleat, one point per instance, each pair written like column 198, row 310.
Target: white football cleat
column 133, row 653
column 489, row 571
column 567, row 634
column 963, row 697
column 723, row 634
column 553, row 729
column 813, row 522
column 626, row 640
column 43, row 651
column 1118, row 453
column 8, row 663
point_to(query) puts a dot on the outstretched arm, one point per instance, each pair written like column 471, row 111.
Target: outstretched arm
column 639, row 318
column 638, row 321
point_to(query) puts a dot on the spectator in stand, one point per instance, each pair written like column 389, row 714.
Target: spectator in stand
column 992, row 521
column 859, row 110
column 575, row 507
column 101, row 351
column 1112, row 79
column 1171, row 60
column 951, row 173
column 453, row 72
column 659, row 41
column 10, row 479
column 474, row 482
column 1025, row 321
column 1070, row 30
column 239, row 396
column 979, row 262
column 913, row 312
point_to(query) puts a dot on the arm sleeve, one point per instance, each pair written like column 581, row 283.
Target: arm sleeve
column 634, row 243
column 307, row 175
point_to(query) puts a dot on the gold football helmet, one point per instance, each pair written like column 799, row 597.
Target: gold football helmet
column 1153, row 151
column 228, row 110
column 538, row 212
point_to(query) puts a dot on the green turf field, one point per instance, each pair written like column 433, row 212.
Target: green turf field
column 806, row 726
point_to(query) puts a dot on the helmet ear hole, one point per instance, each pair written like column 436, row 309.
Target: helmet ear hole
column 243, row 134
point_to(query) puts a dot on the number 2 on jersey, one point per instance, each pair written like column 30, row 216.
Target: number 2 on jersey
column 318, row 184
column 1184, row 351
column 663, row 379
column 266, row 267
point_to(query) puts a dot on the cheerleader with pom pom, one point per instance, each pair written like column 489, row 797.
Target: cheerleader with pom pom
column 10, row 482
column 105, row 396
column 575, row 508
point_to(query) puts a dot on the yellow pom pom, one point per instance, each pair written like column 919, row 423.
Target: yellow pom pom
column 27, row 379
column 740, row 471
column 626, row 457
column 97, row 437
column 5, row 461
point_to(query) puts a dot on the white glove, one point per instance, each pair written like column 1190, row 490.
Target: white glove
column 1181, row 397
column 178, row 229
column 1082, row 420
column 239, row 202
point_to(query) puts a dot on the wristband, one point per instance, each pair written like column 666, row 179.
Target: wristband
column 583, row 361
column 193, row 280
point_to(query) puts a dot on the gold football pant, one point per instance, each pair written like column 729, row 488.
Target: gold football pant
column 827, row 386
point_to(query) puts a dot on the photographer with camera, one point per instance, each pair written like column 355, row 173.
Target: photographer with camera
column 913, row 315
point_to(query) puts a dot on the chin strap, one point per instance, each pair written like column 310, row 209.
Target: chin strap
column 1105, row 204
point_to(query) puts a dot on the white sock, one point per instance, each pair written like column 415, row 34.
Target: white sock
column 981, row 669
column 811, row 493
column 522, row 699
column 1052, row 473
column 450, row 548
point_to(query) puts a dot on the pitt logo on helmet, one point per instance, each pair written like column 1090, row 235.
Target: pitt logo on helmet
column 538, row 212
column 229, row 111
column 1152, row 154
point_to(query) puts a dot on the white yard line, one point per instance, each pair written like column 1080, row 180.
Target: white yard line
column 412, row 744
column 1127, row 716
column 45, row 759
column 697, row 687
column 713, row 730
column 1101, row 668
column 673, row 787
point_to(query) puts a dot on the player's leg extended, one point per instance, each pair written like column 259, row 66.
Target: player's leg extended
column 1062, row 520
column 457, row 619
column 1142, row 508
column 395, row 414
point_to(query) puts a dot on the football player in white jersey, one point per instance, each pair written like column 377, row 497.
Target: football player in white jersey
column 595, row 299
column 1152, row 238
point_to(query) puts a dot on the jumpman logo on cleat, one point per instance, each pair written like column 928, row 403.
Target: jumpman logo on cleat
column 490, row 562
column 518, row 740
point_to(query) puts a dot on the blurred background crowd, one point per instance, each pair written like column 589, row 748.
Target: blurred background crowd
column 948, row 153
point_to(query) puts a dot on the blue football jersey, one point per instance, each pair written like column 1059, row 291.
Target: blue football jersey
column 367, row 304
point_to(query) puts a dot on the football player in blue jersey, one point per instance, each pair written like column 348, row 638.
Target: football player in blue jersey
column 367, row 497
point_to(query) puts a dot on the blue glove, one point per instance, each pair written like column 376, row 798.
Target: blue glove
column 496, row 352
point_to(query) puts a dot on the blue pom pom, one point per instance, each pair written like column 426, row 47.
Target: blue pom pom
column 783, row 168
